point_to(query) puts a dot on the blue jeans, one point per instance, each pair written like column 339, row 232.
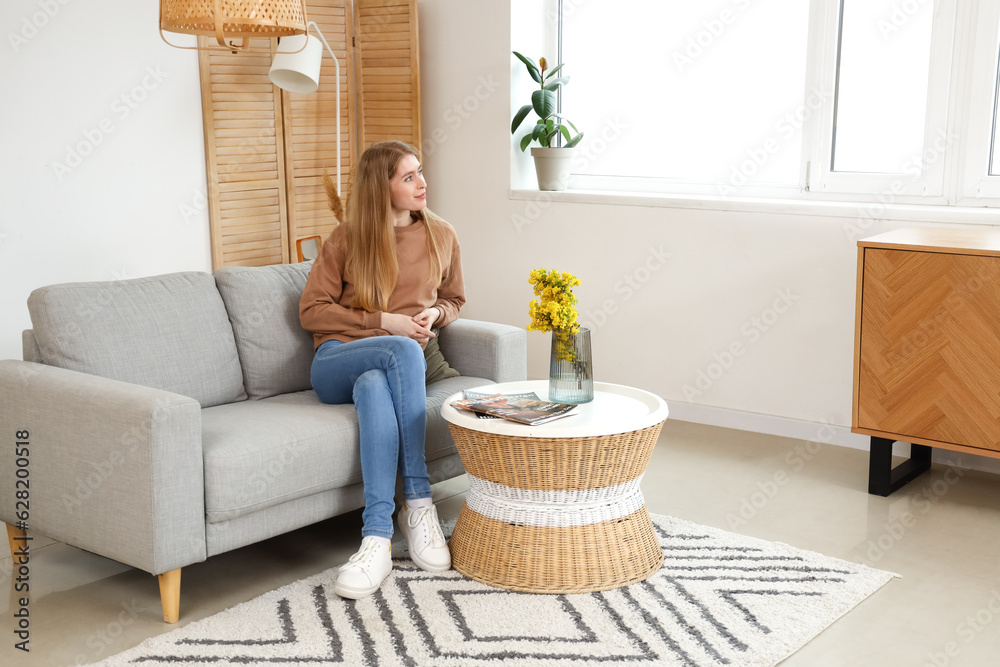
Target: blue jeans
column 384, row 377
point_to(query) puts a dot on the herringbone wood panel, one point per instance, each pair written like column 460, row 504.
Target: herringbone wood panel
column 930, row 346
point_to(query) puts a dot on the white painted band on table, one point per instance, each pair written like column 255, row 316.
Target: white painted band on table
column 553, row 508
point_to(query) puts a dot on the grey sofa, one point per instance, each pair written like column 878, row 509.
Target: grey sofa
column 171, row 418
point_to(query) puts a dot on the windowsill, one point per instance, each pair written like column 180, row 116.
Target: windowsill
column 863, row 212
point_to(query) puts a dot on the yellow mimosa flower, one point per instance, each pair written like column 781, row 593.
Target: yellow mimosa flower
column 555, row 308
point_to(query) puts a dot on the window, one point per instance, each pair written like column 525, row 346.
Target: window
column 669, row 98
column 880, row 104
column 888, row 70
column 981, row 168
column 830, row 99
column 995, row 145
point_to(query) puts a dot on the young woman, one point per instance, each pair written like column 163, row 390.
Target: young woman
column 384, row 276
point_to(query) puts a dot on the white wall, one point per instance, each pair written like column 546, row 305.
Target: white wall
column 134, row 206
column 681, row 318
column 723, row 270
column 78, row 80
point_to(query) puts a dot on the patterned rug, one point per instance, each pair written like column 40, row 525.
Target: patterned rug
column 719, row 599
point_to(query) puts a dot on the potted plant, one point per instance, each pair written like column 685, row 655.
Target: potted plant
column 552, row 162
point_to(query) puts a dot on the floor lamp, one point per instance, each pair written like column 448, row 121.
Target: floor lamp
column 296, row 66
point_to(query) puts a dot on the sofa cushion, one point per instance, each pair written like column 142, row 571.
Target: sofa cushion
column 437, row 366
column 168, row 332
column 263, row 305
column 259, row 454
column 263, row 453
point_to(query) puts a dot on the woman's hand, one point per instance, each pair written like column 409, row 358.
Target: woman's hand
column 427, row 317
column 401, row 325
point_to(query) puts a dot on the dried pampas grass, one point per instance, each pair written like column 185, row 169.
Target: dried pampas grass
column 333, row 196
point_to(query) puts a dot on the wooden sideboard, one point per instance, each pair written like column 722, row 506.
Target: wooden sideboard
column 927, row 347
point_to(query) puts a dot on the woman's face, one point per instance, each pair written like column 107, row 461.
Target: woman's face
column 408, row 187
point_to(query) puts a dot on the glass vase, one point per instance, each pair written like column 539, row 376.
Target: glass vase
column 571, row 369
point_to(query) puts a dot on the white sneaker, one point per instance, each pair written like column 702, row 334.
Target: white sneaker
column 364, row 571
column 422, row 531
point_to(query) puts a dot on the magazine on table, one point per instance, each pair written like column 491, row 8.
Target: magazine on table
column 523, row 408
column 485, row 394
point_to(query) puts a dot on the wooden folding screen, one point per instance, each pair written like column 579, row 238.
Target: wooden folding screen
column 389, row 73
column 245, row 159
column 266, row 149
column 311, row 127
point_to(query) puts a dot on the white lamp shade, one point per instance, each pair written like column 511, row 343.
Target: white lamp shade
column 297, row 72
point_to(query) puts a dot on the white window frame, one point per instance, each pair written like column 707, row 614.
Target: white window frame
column 960, row 65
column 669, row 186
column 928, row 187
column 978, row 188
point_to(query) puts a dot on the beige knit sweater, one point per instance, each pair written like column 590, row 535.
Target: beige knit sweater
column 326, row 309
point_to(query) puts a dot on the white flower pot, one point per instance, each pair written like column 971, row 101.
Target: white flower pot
column 552, row 166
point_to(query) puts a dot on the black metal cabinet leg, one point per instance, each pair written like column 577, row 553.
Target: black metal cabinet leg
column 883, row 479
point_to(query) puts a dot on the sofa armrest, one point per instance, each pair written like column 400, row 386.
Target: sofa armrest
column 113, row 467
column 497, row 352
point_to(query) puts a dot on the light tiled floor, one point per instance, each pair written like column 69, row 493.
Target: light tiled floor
column 941, row 533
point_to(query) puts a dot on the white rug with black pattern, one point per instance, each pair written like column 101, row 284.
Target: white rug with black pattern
column 719, row 599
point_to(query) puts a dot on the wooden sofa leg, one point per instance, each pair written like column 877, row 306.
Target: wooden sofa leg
column 17, row 539
column 170, row 595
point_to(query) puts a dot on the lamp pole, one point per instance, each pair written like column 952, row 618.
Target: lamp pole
column 336, row 62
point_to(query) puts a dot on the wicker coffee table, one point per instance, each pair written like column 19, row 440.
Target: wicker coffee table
column 557, row 508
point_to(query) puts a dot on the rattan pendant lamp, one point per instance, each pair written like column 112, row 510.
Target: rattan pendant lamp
column 228, row 20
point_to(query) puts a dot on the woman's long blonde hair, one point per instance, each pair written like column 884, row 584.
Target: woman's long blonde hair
column 370, row 238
